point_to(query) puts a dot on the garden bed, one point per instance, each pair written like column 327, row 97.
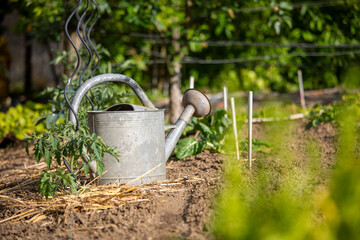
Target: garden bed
column 176, row 207
column 179, row 207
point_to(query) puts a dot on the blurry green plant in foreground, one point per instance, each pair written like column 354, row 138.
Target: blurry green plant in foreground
column 278, row 199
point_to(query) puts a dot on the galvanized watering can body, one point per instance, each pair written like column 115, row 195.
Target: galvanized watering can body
column 139, row 137
column 137, row 132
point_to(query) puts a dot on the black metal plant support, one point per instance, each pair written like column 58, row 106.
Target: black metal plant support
column 83, row 33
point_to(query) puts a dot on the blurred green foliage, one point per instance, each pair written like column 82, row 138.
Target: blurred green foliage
column 286, row 196
column 21, row 119
column 137, row 35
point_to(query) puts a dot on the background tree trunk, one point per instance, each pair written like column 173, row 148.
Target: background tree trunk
column 175, row 79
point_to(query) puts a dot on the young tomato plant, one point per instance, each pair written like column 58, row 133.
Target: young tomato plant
column 62, row 145
column 211, row 131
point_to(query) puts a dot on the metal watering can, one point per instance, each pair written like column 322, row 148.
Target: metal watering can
column 137, row 132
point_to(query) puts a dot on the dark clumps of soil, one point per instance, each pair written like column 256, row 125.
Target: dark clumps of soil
column 182, row 211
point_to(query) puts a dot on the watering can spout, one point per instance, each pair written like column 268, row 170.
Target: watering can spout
column 195, row 104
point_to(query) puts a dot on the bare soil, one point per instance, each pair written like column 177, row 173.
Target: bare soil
column 177, row 209
column 181, row 210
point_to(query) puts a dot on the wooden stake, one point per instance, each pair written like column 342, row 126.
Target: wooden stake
column 250, row 125
column 235, row 128
column 192, row 81
column 225, row 98
column 301, row 89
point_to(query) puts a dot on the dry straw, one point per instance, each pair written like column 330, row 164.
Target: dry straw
column 21, row 194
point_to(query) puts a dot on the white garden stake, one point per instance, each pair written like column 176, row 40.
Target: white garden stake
column 235, row 128
column 301, row 88
column 225, row 98
column 192, row 81
column 250, row 125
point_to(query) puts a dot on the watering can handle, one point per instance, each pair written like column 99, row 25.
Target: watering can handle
column 110, row 77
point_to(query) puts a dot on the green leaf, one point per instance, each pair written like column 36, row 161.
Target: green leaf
column 277, row 27
column 48, row 157
column 187, row 147
column 285, row 5
column 85, row 166
column 288, row 21
column 219, row 114
column 204, row 129
column 220, row 123
column 99, row 167
column 81, row 144
column 57, row 59
column 27, row 146
column 67, row 180
column 53, row 141
column 58, row 156
column 39, row 150
column 51, row 120
column 316, row 122
column 303, row 10
column 27, row 136
column 39, row 120
column 47, row 187
column 41, row 145
column 96, row 149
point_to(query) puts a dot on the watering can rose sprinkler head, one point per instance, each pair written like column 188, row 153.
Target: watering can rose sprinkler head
column 195, row 104
column 198, row 101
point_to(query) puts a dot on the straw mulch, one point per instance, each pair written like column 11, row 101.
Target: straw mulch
column 24, row 203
